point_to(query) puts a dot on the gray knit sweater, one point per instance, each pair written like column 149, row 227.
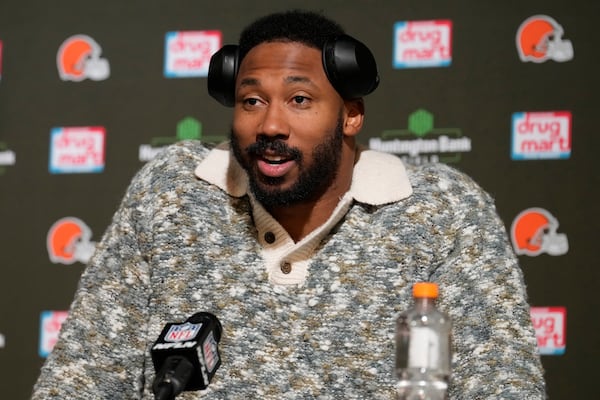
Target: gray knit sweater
column 179, row 245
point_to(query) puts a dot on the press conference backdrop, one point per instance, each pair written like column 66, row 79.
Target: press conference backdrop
column 505, row 91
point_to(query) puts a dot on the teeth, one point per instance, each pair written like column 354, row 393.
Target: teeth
column 275, row 160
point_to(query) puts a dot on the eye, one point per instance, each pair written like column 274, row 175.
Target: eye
column 299, row 99
column 251, row 101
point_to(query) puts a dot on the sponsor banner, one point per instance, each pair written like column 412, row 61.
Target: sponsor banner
column 187, row 129
column 533, row 232
column 421, row 44
column 550, row 324
column 541, row 135
column 539, row 39
column 69, row 241
column 188, row 53
column 422, row 142
column 77, row 150
column 78, row 58
column 50, row 324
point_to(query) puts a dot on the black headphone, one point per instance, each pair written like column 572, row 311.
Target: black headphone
column 348, row 63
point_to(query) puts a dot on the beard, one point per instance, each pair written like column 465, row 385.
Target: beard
column 313, row 179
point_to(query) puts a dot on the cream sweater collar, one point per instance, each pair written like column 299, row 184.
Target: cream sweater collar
column 378, row 178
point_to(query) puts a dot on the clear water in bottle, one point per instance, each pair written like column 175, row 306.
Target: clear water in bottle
column 423, row 348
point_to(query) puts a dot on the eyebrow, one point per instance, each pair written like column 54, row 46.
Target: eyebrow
column 288, row 80
column 249, row 82
column 301, row 79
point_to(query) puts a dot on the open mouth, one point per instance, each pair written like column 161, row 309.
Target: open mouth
column 274, row 166
column 275, row 159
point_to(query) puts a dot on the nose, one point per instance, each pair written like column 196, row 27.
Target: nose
column 274, row 123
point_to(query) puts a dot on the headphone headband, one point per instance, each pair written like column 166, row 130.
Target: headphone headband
column 348, row 63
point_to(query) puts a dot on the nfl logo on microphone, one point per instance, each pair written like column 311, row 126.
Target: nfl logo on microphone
column 182, row 332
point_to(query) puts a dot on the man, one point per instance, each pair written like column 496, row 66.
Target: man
column 304, row 244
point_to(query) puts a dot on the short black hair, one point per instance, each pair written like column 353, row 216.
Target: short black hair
column 306, row 27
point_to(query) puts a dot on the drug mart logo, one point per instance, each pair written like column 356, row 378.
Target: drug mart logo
column 7, row 157
column 69, row 241
column 187, row 129
column 550, row 324
column 534, row 232
column 541, row 135
column 79, row 58
column 50, row 324
column 187, row 53
column 420, row 44
column 77, row 150
column 421, row 142
column 539, row 39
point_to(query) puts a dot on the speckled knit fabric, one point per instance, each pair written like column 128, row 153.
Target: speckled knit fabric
column 178, row 245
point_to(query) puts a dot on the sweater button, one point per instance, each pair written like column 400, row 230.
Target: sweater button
column 286, row 267
column 269, row 237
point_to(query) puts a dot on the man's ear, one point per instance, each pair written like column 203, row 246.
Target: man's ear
column 354, row 114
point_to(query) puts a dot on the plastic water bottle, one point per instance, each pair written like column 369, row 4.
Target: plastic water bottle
column 423, row 347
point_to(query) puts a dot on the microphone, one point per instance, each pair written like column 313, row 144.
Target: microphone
column 186, row 355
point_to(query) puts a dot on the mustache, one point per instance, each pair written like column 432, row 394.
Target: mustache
column 277, row 146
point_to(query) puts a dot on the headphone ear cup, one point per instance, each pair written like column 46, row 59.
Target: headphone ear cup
column 350, row 67
column 222, row 72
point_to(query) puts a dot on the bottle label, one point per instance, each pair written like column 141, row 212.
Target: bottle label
column 424, row 348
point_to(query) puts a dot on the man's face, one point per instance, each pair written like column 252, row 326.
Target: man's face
column 287, row 125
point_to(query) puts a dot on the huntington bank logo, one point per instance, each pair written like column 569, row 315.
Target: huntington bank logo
column 422, row 142
column 78, row 58
column 541, row 135
column 77, row 150
column 533, row 232
column 187, row 129
column 420, row 44
column 539, row 39
column 188, row 53
column 69, row 241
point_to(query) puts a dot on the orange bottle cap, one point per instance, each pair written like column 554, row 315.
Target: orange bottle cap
column 425, row 289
